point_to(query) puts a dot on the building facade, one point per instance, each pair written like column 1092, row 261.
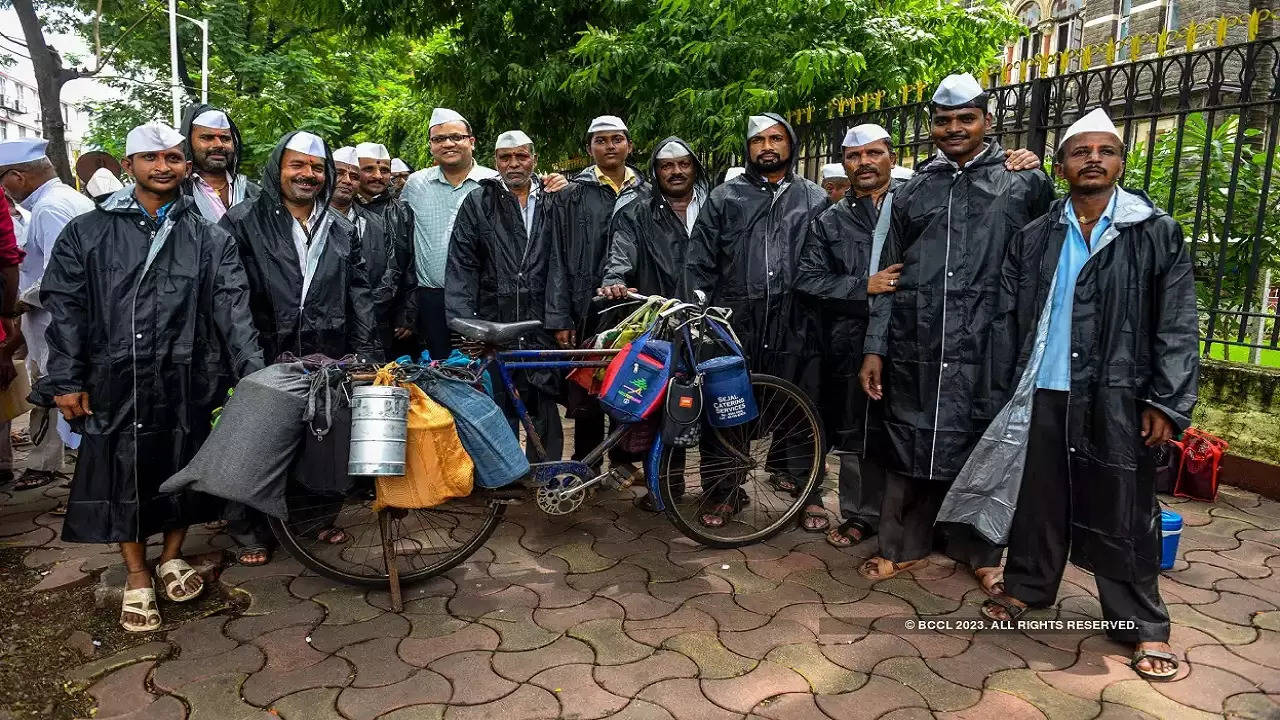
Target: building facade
column 20, row 113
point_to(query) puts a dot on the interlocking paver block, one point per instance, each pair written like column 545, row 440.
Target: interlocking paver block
column 83, row 676
column 433, row 625
column 636, row 601
column 822, row 675
column 421, row 652
column 878, row 696
column 288, row 649
column 346, row 605
column 529, row 702
column 520, row 666
column 628, row 680
column 581, row 558
column 267, row 685
column 685, row 701
column 741, row 578
column 864, row 654
column 1053, row 702
column 1141, row 695
column 744, row 692
column 424, row 687
column 305, row 613
column 610, row 644
column 660, row 568
column 619, row 574
column 123, row 691
column 202, row 638
column 518, row 630
column 578, row 692
column 313, row 704
column 995, row 704
column 417, row 712
column 682, row 590
column 1252, row 706
column 729, row 615
column 218, row 698
column 791, row 706
column 175, row 673
column 266, row 595
column 472, row 677
column 971, row 667
column 281, row 565
column 654, row 632
column 376, row 662
column 757, row 643
column 1204, row 687
column 714, row 660
column 561, row 619
column 328, row 638
column 1224, row 632
column 641, row 710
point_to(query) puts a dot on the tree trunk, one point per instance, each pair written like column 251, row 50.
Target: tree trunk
column 50, row 77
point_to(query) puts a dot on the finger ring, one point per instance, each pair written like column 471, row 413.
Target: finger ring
column 893, row 283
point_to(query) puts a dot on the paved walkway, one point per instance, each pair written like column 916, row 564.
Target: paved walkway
column 611, row 613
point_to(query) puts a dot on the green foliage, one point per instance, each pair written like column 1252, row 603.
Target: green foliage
column 1199, row 173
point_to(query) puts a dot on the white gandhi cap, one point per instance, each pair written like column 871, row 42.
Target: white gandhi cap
column 346, row 156
column 955, row 90
column 397, row 165
column 512, row 139
column 864, row 134
column 1096, row 120
column 376, row 151
column 306, row 143
column 833, row 171
column 440, row 116
column 151, row 137
column 102, row 182
column 605, row 123
column 672, row 150
column 757, row 124
column 215, row 119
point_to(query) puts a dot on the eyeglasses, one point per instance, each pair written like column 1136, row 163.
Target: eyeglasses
column 442, row 139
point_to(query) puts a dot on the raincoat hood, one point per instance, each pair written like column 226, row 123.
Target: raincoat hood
column 795, row 144
column 271, row 172
column 190, row 114
column 701, row 185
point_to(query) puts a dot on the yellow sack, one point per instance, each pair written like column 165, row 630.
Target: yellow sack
column 13, row 399
column 436, row 468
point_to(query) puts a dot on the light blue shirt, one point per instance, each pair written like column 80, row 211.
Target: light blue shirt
column 435, row 204
column 1055, row 371
column 52, row 206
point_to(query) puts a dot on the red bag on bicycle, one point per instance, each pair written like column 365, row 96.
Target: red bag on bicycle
column 636, row 381
column 1201, row 460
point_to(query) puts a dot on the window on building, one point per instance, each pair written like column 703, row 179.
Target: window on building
column 1032, row 44
column 1123, row 11
column 22, row 131
column 4, row 130
column 1172, row 15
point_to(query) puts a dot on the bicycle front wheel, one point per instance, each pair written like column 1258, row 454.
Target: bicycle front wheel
column 727, row 477
column 425, row 542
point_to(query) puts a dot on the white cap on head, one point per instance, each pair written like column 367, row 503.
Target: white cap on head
column 955, row 90
column 22, row 150
column 1097, row 120
column 834, row 171
column 151, row 137
column 215, row 119
column 864, row 134
column 306, row 143
column 901, row 173
column 606, row 123
column 671, row 151
column 733, row 172
column 512, row 139
column 440, row 115
column 347, row 156
column 377, row 151
column 757, row 124
column 102, row 182
column 397, row 165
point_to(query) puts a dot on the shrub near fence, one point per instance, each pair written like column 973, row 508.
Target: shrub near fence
column 1201, row 128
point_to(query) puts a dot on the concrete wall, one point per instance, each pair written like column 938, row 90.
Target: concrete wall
column 1241, row 404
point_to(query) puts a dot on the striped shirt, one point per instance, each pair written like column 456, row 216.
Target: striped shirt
column 435, row 204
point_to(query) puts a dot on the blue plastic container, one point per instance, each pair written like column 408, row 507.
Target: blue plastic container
column 1170, row 533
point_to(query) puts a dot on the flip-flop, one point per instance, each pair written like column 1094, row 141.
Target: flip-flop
column 253, row 550
column 842, row 532
column 1011, row 608
column 39, row 478
column 779, row 482
column 990, row 588
column 807, row 513
column 722, row 512
column 182, row 571
column 140, row 601
column 333, row 536
column 894, row 569
column 1149, row 676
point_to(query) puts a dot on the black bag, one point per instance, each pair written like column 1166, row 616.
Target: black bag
column 682, row 411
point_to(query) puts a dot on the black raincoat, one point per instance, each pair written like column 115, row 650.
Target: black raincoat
column 400, row 278
column 942, row 380
column 743, row 255
column 337, row 317
column 242, row 186
column 146, row 339
column 496, row 269
column 1134, row 343
column 577, row 226
column 833, row 268
column 648, row 239
column 372, row 234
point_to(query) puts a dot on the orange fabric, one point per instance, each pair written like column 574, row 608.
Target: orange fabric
column 436, row 467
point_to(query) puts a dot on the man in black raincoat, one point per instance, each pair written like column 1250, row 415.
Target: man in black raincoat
column 372, row 233
column 933, row 340
column 742, row 255
column 308, row 282
column 1098, row 300
column 147, row 298
column 577, row 228
column 398, row 312
column 843, row 244
column 497, row 269
column 214, row 148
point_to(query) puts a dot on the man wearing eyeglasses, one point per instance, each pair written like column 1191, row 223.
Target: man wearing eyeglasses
column 435, row 194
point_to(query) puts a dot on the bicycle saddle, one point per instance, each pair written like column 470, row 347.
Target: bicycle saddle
column 492, row 333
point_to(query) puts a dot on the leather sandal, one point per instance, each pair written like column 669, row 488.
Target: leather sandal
column 885, row 568
column 174, row 574
column 1149, row 675
column 140, row 602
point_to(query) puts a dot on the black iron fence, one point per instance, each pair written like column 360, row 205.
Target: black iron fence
column 1201, row 128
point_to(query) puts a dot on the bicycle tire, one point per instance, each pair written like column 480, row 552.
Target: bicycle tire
column 289, row 541
column 766, row 387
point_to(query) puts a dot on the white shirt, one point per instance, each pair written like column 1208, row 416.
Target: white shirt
column 302, row 243
column 52, row 206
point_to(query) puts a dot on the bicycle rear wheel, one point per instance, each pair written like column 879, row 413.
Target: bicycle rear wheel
column 732, row 466
column 426, row 542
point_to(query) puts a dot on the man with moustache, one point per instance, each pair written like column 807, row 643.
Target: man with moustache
column 399, row 277
column 932, row 354
column 497, row 272
column 373, row 240
column 577, row 227
column 29, row 178
column 308, row 283
column 742, row 255
column 146, row 298
column 213, row 145
column 836, row 263
column 1066, row 469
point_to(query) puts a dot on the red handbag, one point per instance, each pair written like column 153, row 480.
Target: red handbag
column 1201, row 460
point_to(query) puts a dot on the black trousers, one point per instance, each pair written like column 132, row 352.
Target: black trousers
column 545, row 414
column 1040, row 538
column 433, row 328
column 861, row 489
column 907, row 517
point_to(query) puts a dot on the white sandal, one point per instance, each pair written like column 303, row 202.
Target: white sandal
column 140, row 601
column 183, row 571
